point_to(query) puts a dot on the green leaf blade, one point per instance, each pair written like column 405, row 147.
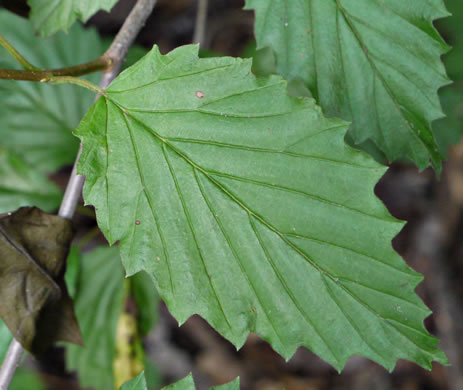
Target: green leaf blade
column 247, row 208
column 375, row 64
column 50, row 16
column 23, row 185
column 138, row 383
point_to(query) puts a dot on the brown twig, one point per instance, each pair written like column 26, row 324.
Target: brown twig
column 129, row 31
column 200, row 23
column 98, row 65
column 110, row 61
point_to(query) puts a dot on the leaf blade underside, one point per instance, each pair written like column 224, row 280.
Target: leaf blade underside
column 374, row 63
column 247, row 208
column 22, row 185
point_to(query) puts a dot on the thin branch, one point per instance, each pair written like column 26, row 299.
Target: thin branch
column 9, row 47
column 76, row 81
column 101, row 64
column 129, row 31
column 116, row 53
column 10, row 364
column 201, row 21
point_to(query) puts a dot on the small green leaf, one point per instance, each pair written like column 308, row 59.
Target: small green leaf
column 188, row 384
column 49, row 16
column 36, row 120
column 23, row 185
column 35, row 305
column 138, row 383
column 247, row 207
column 375, row 63
column 98, row 303
column 73, row 270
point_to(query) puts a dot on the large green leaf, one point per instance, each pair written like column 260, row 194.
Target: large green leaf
column 373, row 62
column 36, row 120
column 99, row 300
column 49, row 16
column 23, row 185
column 248, row 208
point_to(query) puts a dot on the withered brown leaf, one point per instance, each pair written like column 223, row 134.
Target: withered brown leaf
column 34, row 301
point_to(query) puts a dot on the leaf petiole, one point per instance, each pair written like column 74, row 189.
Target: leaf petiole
column 76, row 81
column 10, row 49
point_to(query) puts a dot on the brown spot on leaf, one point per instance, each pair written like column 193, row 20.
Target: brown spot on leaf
column 200, row 94
column 137, row 222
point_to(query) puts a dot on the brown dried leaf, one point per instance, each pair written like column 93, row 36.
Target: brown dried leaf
column 34, row 301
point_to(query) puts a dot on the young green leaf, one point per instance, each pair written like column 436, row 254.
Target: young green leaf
column 36, row 120
column 23, row 185
column 248, row 208
column 49, row 16
column 375, row 63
